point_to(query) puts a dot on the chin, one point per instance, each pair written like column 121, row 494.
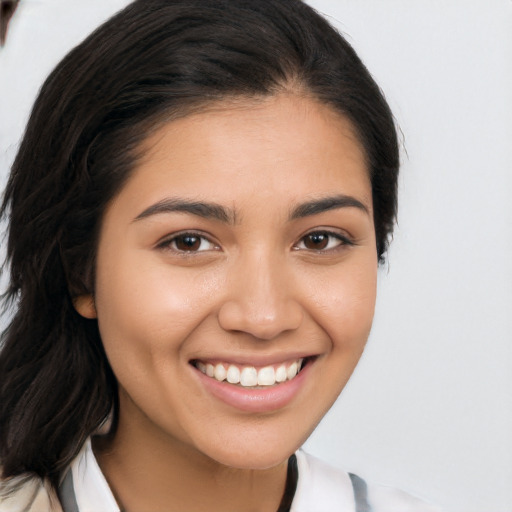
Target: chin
column 252, row 459
column 257, row 448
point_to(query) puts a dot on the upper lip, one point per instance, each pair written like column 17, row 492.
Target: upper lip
column 254, row 359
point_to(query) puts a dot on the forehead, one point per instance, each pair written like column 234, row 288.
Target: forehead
column 285, row 144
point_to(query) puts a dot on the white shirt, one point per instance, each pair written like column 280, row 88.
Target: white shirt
column 320, row 488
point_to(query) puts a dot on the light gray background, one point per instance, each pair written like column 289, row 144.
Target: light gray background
column 429, row 408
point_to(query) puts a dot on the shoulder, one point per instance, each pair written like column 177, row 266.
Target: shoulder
column 83, row 487
column 325, row 488
column 28, row 493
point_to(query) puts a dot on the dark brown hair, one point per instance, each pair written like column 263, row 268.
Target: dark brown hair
column 154, row 61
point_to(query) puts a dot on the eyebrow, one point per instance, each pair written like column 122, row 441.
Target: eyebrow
column 199, row 208
column 228, row 216
column 325, row 204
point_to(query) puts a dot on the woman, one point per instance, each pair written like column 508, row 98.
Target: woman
column 197, row 212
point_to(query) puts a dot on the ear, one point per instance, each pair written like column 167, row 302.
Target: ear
column 84, row 305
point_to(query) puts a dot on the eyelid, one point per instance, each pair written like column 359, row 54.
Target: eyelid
column 343, row 238
column 165, row 243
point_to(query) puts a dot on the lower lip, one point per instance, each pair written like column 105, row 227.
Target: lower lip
column 256, row 400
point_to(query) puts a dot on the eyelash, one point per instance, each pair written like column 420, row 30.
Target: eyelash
column 339, row 238
column 170, row 243
column 340, row 241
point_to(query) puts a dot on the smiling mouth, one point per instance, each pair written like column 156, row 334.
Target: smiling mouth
column 250, row 376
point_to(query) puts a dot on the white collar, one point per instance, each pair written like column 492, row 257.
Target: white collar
column 320, row 487
column 92, row 492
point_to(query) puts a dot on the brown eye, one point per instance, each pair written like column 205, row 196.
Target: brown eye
column 187, row 242
column 323, row 241
column 316, row 241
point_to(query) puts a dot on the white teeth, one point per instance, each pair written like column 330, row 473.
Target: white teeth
column 266, row 376
column 233, row 375
column 249, row 377
column 281, row 375
column 220, row 372
column 292, row 371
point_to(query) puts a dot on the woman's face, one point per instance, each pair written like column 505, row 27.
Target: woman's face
column 242, row 246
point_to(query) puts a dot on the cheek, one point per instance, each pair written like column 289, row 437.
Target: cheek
column 345, row 305
column 147, row 308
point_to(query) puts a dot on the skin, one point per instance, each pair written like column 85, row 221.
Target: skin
column 254, row 287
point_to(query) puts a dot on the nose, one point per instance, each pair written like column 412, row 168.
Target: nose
column 261, row 300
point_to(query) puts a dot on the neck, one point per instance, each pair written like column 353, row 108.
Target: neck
column 148, row 470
